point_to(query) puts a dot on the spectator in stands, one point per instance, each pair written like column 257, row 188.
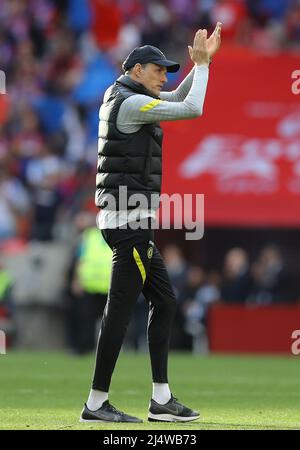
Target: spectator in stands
column 14, row 202
column 27, row 139
column 195, row 308
column 267, row 19
column 195, row 278
column 292, row 25
column 271, row 281
column 177, row 268
column 106, row 22
column 43, row 176
column 157, row 23
column 236, row 280
column 265, row 11
column 232, row 14
column 89, row 285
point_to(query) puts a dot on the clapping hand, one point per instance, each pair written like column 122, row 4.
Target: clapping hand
column 214, row 41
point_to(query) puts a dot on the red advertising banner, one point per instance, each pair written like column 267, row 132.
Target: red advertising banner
column 243, row 154
column 263, row 329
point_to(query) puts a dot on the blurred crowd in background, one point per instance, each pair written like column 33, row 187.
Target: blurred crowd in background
column 59, row 56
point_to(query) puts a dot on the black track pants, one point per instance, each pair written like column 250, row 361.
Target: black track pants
column 137, row 266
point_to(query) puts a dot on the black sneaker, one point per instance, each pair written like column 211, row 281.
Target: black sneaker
column 107, row 413
column 173, row 411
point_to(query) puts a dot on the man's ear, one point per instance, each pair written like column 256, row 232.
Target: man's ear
column 138, row 69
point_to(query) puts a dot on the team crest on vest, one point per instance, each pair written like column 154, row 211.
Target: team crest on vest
column 150, row 252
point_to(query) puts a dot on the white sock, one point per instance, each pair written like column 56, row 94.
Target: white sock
column 96, row 399
column 161, row 393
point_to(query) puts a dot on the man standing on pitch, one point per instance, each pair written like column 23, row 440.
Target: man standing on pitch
column 130, row 156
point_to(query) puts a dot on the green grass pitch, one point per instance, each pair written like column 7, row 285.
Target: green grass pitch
column 46, row 391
